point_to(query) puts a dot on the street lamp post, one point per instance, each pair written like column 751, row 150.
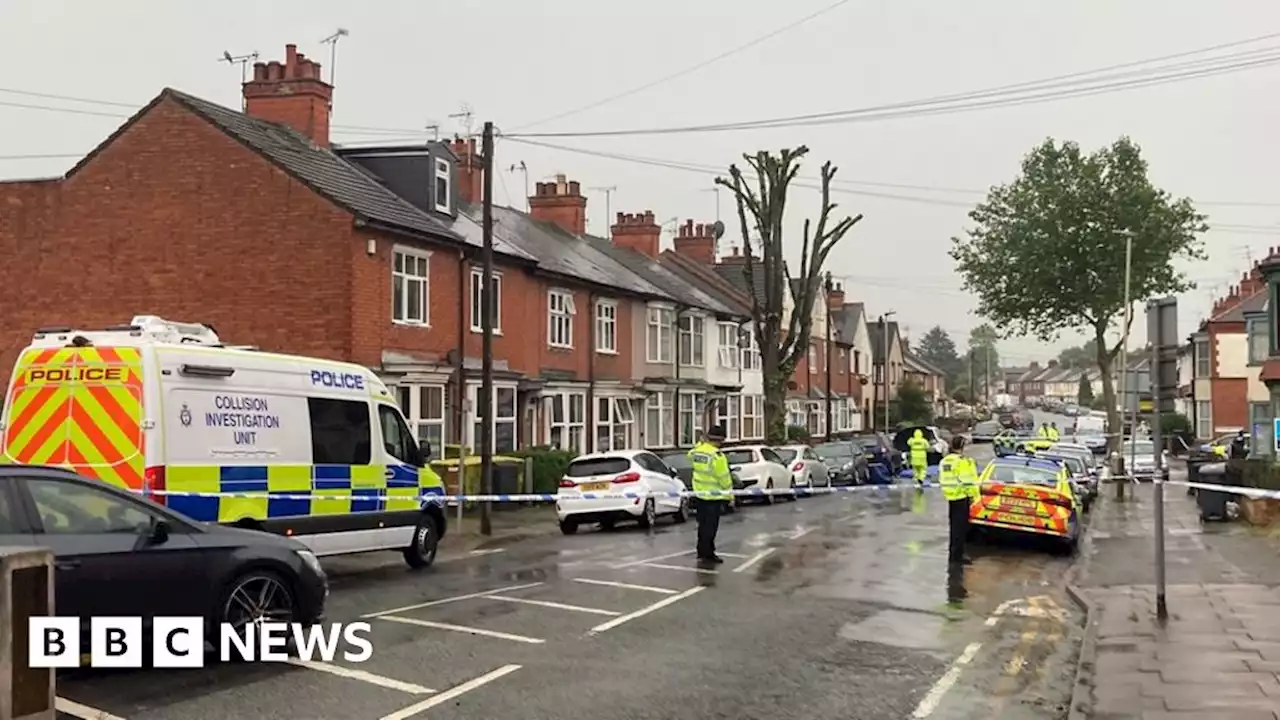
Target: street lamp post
column 1124, row 358
column 884, row 364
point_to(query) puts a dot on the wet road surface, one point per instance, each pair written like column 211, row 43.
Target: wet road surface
column 829, row 607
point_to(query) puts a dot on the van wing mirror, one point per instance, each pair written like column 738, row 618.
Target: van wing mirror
column 424, row 454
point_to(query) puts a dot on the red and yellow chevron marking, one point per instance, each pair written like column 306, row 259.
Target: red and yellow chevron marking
column 80, row 407
column 1022, row 508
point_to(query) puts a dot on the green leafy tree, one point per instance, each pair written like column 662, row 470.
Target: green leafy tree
column 761, row 197
column 1084, row 396
column 938, row 349
column 986, row 358
column 913, row 406
column 1046, row 252
column 1081, row 356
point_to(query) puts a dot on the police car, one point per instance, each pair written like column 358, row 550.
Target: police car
column 1026, row 494
column 313, row 449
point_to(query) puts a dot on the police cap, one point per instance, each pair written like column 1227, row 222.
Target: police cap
column 716, row 433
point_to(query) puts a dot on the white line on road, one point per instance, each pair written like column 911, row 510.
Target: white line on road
column 456, row 598
column 646, row 610
column 995, row 616
column 686, row 568
column 463, row 629
column 555, row 605
column 451, row 693
column 668, row 556
column 940, row 688
column 735, row 556
column 84, row 712
column 491, row 551
column 753, row 560
column 371, row 678
column 627, row 586
column 800, row 533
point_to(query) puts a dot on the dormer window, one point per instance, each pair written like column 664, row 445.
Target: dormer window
column 443, row 191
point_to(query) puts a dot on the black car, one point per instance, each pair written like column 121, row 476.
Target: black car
column 877, row 449
column 846, row 461
column 119, row 554
column 678, row 460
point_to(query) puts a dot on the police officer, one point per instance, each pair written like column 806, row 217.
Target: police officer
column 1043, row 432
column 1053, row 432
column 958, row 477
column 918, row 454
column 712, row 484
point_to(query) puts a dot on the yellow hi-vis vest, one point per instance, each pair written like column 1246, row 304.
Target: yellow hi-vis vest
column 1043, row 432
column 1053, row 434
column 918, row 449
column 711, row 478
column 958, row 477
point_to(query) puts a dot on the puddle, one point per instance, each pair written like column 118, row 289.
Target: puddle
column 897, row 628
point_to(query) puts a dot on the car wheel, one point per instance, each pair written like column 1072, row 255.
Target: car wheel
column 569, row 526
column 421, row 552
column 792, row 497
column 254, row 598
column 768, row 496
column 682, row 513
column 607, row 525
column 650, row 514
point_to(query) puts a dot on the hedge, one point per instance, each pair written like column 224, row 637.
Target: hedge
column 549, row 466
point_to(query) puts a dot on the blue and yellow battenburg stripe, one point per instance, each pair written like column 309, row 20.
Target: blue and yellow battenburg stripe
column 340, row 490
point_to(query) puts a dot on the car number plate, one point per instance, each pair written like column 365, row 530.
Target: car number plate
column 1019, row 503
column 1013, row 519
column 594, row 487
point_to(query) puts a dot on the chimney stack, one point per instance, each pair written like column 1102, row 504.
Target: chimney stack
column 470, row 170
column 835, row 296
column 735, row 257
column 291, row 94
column 637, row 232
column 696, row 242
column 560, row 202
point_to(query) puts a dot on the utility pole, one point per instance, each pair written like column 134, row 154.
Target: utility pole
column 827, row 357
column 1124, row 368
column 884, row 367
column 973, row 389
column 486, row 326
column 986, row 383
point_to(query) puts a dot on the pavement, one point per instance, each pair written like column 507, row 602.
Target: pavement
column 831, row 607
column 1218, row 655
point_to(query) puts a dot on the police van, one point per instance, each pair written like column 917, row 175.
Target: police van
column 313, row 449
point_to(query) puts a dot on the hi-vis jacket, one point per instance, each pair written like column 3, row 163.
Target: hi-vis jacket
column 958, row 476
column 711, row 478
column 919, row 449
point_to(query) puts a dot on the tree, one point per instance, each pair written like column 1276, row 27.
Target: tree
column 761, row 203
column 1079, row 357
column 913, row 406
column 982, row 346
column 937, row 349
column 1084, row 396
column 1047, row 251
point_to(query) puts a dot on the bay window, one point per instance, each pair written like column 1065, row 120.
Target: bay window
column 729, row 416
column 614, row 423
column 424, row 409
column 659, row 416
column 691, row 406
column 795, row 413
column 504, row 418
column 752, row 417
column 566, row 421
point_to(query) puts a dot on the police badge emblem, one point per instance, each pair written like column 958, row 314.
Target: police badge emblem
column 185, row 416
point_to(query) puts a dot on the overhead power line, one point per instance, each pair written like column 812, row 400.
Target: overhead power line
column 687, row 70
column 1093, row 82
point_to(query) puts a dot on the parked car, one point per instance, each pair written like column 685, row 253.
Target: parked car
column 620, row 471
column 759, row 466
column 1143, row 453
column 985, row 431
column 678, row 460
column 1027, row 494
column 937, row 446
column 808, row 469
column 876, row 448
column 1094, row 470
column 1076, row 473
column 846, row 462
column 120, row 554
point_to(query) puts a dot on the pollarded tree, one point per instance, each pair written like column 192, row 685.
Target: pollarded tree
column 761, row 199
column 1047, row 251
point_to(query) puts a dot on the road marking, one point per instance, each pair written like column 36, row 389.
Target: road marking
column 668, row 556
column 1019, row 660
column 1000, row 610
column 456, row 598
column 368, row 677
column 646, row 610
column 627, row 586
column 940, row 688
column 686, row 568
column 753, row 560
column 84, row 712
column 735, row 556
column 1037, row 612
column 800, row 533
column 555, row 605
column 463, row 629
column 451, row 693
column 477, row 553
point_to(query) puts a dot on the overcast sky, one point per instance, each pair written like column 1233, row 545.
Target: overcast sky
column 409, row 64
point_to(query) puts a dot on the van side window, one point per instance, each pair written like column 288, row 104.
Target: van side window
column 340, row 432
column 396, row 436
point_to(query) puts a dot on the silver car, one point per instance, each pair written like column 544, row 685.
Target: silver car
column 1143, row 453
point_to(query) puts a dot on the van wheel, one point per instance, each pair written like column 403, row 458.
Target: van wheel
column 421, row 552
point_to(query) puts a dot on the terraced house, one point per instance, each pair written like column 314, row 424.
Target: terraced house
column 254, row 223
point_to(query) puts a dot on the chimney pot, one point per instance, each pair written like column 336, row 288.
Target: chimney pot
column 291, row 94
column 560, row 203
column 648, row 217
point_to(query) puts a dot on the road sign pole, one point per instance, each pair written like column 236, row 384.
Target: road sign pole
column 1162, row 326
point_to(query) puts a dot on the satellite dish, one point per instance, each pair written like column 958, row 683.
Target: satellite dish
column 717, row 230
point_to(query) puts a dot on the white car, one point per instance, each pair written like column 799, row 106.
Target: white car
column 759, row 466
column 1143, row 453
column 807, row 468
column 632, row 471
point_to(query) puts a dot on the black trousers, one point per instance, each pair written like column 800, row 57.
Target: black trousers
column 708, row 525
column 958, row 521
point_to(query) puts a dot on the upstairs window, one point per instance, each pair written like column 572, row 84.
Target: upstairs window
column 443, row 191
column 606, row 326
column 477, row 300
column 1203, row 361
column 727, row 347
column 560, row 312
column 1259, row 340
column 658, row 332
column 693, row 341
column 410, row 273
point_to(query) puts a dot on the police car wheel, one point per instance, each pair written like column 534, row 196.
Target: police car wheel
column 682, row 514
column 421, row 552
column 650, row 514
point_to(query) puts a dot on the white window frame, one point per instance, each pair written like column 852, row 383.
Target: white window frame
column 659, row 420
column 727, row 350
column 813, row 359
column 499, row 419
column 607, row 327
column 752, row 417
column 443, row 174
column 691, row 406
column 729, row 416
column 692, row 337
column 751, row 352
column 400, row 312
column 615, row 423
column 426, row 413
column 1202, row 357
column 796, row 416
column 816, row 422
column 659, row 334
column 560, row 312
column 477, row 281
column 1204, row 419
column 571, row 426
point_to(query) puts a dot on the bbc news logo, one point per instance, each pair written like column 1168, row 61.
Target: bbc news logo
column 179, row 642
